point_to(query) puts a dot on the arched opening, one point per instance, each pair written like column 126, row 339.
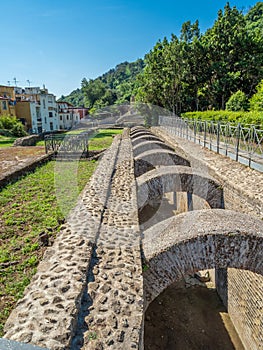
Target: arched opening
column 189, row 315
column 191, row 242
column 188, row 189
column 156, row 158
column 199, row 240
column 140, row 133
column 148, row 146
column 144, row 138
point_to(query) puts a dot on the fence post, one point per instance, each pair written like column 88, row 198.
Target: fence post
column 238, row 139
column 45, row 145
column 194, row 131
column 205, row 134
column 218, row 138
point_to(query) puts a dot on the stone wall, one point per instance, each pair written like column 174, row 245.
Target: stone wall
column 242, row 188
column 88, row 289
column 27, row 140
column 21, row 169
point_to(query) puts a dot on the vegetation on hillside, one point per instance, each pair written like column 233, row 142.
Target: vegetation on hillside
column 195, row 71
column 114, row 87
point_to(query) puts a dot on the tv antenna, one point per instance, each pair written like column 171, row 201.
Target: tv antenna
column 29, row 82
column 15, row 81
column 8, row 82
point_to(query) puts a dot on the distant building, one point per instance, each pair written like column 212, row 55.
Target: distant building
column 7, row 100
column 67, row 116
column 38, row 109
column 81, row 111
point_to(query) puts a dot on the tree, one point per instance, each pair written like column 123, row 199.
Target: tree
column 237, row 102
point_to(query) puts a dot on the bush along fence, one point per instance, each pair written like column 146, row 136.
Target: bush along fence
column 243, row 144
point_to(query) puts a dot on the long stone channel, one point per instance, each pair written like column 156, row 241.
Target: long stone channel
column 88, row 289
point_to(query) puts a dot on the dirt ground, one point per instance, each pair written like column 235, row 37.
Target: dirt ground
column 191, row 318
column 12, row 158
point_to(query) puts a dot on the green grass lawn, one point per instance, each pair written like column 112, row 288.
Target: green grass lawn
column 7, row 141
column 28, row 207
column 103, row 139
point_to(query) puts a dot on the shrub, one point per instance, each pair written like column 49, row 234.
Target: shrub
column 256, row 101
column 11, row 125
column 18, row 130
column 255, row 118
column 237, row 102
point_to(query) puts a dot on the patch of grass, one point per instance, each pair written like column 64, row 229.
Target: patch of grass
column 7, row 141
column 103, row 139
column 29, row 207
column 40, row 143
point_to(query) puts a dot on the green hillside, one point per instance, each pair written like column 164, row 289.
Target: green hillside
column 114, row 87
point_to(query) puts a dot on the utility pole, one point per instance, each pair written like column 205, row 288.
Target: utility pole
column 16, row 81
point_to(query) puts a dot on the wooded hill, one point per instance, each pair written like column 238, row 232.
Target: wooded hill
column 191, row 72
column 114, row 87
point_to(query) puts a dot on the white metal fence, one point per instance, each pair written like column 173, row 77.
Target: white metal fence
column 243, row 144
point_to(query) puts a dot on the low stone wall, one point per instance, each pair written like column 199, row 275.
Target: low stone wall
column 113, row 312
column 27, row 140
column 23, row 169
column 242, row 188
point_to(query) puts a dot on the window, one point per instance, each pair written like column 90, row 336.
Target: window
column 4, row 105
column 50, row 114
column 61, row 117
column 44, row 103
column 51, row 126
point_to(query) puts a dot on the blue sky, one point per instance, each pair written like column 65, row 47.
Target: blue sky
column 57, row 43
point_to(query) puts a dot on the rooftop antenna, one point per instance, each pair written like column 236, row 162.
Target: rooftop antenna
column 29, row 82
column 8, row 82
column 16, row 81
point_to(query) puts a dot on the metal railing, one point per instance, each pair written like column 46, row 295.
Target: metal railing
column 66, row 143
column 241, row 143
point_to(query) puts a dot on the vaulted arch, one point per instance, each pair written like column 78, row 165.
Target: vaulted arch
column 141, row 133
column 158, row 157
column 145, row 138
column 149, row 145
column 198, row 240
column 153, row 184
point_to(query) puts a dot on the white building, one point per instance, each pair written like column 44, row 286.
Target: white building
column 67, row 116
column 39, row 108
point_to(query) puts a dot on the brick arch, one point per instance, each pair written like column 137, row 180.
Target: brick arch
column 149, row 145
column 145, row 138
column 153, row 184
column 158, row 157
column 137, row 131
column 198, row 240
column 137, row 128
column 141, row 133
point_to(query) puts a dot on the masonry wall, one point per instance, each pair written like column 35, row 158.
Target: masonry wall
column 240, row 290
